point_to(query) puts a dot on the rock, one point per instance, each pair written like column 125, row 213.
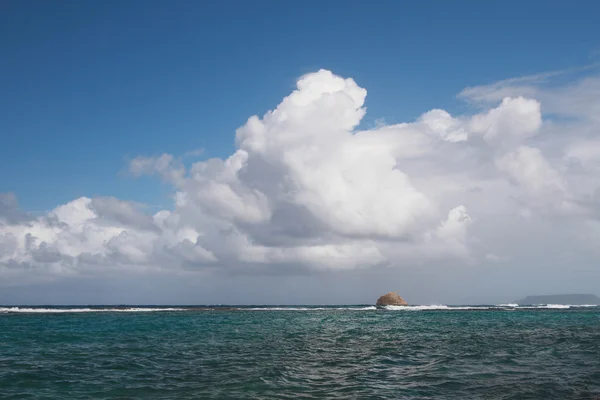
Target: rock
column 391, row 299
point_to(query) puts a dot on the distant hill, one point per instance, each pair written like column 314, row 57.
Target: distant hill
column 574, row 299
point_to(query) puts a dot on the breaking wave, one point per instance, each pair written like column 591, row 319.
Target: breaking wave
column 553, row 306
column 309, row 308
column 509, row 306
column 83, row 310
column 433, row 307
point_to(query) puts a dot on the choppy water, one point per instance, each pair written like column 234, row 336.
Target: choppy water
column 420, row 352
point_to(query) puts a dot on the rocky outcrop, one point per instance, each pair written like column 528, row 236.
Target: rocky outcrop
column 391, row 299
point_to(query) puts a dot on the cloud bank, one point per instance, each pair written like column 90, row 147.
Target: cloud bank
column 308, row 190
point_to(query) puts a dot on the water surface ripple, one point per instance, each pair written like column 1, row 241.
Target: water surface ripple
column 315, row 353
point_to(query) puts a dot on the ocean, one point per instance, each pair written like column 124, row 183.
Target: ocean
column 339, row 352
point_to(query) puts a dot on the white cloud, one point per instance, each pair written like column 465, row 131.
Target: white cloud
column 527, row 167
column 492, row 258
column 585, row 152
column 515, row 118
column 305, row 189
column 441, row 123
column 165, row 166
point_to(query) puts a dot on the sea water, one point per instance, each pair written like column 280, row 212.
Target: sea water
column 360, row 352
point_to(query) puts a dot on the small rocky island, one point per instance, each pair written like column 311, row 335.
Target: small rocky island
column 391, row 299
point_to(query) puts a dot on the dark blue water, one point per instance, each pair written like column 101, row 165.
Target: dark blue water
column 497, row 353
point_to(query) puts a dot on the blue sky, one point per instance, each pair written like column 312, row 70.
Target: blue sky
column 88, row 85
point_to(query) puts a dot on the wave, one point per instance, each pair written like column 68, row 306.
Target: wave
column 43, row 310
column 510, row 306
column 286, row 308
column 309, row 308
column 432, row 307
column 83, row 310
column 556, row 306
column 550, row 306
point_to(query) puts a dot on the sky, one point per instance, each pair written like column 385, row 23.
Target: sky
column 274, row 152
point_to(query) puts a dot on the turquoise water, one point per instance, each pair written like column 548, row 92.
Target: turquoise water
column 351, row 352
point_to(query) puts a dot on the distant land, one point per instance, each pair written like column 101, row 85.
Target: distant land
column 573, row 299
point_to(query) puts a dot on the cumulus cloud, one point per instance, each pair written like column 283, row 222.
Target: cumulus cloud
column 516, row 118
column 306, row 189
column 165, row 166
column 9, row 210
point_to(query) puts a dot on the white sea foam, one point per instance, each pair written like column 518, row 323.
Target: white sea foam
column 285, row 308
column 556, row 306
column 545, row 306
column 82, row 310
column 548, row 306
column 434, row 307
column 311, row 308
